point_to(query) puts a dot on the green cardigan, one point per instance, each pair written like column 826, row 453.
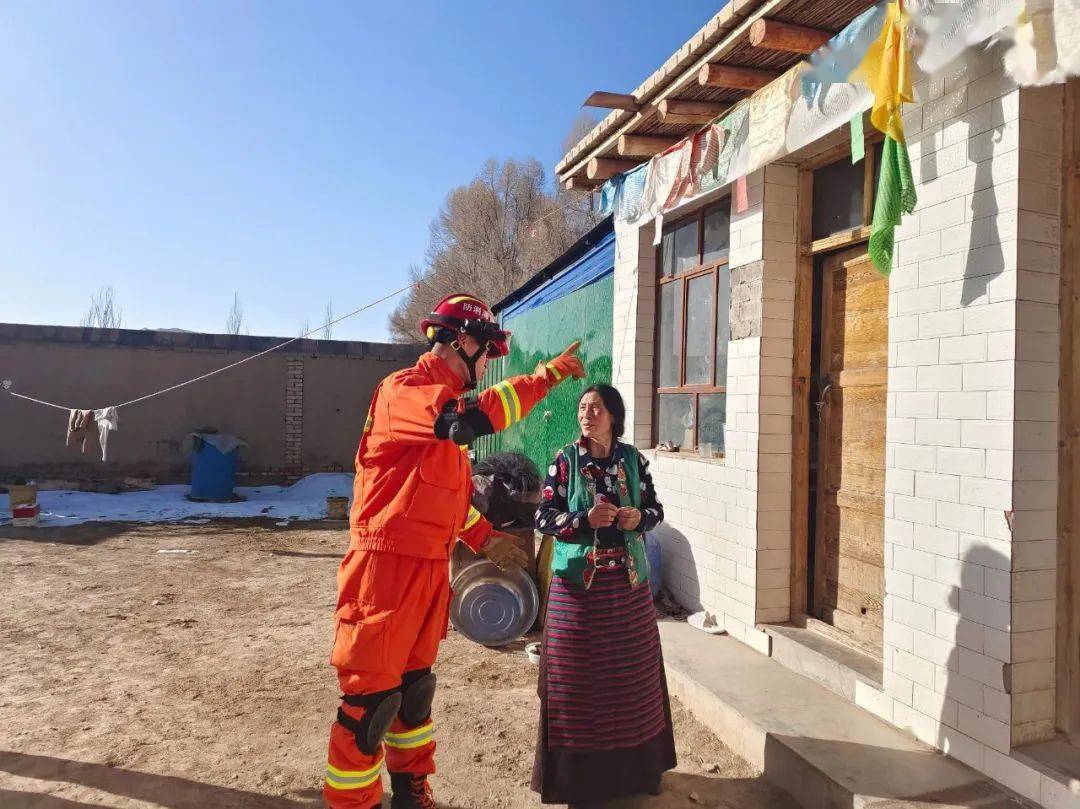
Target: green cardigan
column 576, row 560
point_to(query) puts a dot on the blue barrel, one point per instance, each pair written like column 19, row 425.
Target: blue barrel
column 213, row 473
column 656, row 563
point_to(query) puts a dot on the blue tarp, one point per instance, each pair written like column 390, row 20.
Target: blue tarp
column 598, row 263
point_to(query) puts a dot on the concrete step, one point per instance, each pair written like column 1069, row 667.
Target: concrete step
column 1058, row 761
column 821, row 659
column 819, row 747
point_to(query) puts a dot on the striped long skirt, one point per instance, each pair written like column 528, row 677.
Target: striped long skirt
column 605, row 719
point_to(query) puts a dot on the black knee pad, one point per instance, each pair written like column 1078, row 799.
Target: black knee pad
column 417, row 693
column 379, row 711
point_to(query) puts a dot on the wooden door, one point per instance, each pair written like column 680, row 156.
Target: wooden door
column 849, row 531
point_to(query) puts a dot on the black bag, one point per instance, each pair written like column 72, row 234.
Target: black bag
column 506, row 489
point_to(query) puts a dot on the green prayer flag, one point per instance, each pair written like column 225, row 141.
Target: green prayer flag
column 858, row 141
column 895, row 196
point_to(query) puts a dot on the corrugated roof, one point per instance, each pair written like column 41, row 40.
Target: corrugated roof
column 600, row 232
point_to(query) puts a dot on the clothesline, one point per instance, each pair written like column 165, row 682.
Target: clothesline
column 225, row 368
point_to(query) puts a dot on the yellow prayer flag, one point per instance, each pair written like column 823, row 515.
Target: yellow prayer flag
column 886, row 69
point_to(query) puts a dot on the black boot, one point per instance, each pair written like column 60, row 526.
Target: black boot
column 411, row 791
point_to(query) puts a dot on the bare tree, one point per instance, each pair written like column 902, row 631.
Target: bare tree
column 488, row 238
column 235, row 320
column 582, row 126
column 104, row 311
column 581, row 213
column 305, row 327
column 328, row 323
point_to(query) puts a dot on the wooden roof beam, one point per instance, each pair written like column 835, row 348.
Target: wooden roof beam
column 612, row 101
column 601, row 139
column 731, row 77
column 580, row 183
column 644, row 145
column 604, row 168
column 697, row 113
column 783, row 36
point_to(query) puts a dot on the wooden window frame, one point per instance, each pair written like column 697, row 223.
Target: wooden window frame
column 699, row 270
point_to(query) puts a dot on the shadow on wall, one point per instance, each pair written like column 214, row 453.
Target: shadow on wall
column 954, row 669
column 681, row 573
column 948, row 668
column 984, row 257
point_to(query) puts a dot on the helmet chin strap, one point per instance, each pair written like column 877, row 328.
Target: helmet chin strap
column 470, row 361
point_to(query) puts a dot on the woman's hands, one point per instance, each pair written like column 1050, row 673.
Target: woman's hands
column 604, row 515
column 629, row 519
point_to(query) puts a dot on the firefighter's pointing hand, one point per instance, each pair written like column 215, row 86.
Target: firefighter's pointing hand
column 503, row 551
column 566, row 365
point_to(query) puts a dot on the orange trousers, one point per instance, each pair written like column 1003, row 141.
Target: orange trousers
column 392, row 614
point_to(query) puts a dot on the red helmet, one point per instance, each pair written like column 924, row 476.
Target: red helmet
column 465, row 314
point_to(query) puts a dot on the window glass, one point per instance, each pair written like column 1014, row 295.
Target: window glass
column 670, row 326
column 717, row 233
column 667, row 253
column 700, row 305
column 679, row 248
column 712, row 411
column 838, row 198
column 676, row 419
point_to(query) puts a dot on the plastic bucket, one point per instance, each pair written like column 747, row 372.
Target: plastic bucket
column 213, row 474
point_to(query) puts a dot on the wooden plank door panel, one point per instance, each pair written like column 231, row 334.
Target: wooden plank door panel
column 849, row 578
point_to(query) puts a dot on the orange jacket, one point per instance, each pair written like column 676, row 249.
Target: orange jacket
column 412, row 490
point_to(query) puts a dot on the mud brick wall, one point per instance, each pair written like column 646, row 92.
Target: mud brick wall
column 301, row 410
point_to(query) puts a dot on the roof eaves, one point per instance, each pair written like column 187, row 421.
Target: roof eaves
column 734, row 12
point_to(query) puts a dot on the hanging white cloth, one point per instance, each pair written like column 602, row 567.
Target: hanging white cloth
column 107, row 421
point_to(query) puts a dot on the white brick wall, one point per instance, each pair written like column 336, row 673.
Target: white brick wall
column 727, row 534
column 949, row 438
column 971, row 434
column 1035, row 350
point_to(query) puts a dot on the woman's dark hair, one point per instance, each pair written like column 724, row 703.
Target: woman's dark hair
column 613, row 403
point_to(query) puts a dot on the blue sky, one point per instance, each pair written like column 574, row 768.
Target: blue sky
column 288, row 151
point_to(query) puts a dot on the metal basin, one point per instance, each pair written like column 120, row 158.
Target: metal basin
column 491, row 606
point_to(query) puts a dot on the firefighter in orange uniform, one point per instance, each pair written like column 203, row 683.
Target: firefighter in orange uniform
column 410, row 504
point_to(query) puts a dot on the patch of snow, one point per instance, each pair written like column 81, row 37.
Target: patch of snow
column 304, row 500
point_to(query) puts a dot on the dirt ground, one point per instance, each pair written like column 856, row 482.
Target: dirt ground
column 133, row 676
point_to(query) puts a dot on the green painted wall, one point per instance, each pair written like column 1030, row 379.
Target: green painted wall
column 539, row 334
